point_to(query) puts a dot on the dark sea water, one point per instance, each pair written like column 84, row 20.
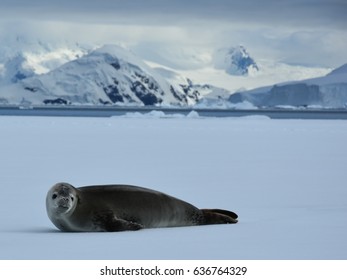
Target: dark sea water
column 91, row 111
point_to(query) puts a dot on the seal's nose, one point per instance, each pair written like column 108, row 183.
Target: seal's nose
column 63, row 202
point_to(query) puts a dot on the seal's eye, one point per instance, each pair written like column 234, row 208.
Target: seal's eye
column 72, row 198
column 54, row 196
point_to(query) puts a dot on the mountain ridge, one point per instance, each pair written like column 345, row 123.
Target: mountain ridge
column 235, row 61
column 112, row 75
column 108, row 75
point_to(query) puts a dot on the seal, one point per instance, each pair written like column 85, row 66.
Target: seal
column 124, row 207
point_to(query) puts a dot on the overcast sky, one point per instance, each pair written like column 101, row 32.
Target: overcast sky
column 310, row 32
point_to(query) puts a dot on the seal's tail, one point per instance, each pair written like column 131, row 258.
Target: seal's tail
column 219, row 216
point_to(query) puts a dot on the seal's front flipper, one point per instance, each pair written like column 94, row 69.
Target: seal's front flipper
column 219, row 216
column 106, row 221
column 121, row 225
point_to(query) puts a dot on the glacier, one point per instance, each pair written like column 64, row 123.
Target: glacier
column 329, row 91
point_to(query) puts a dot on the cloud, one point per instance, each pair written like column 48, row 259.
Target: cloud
column 314, row 48
column 307, row 31
column 167, row 12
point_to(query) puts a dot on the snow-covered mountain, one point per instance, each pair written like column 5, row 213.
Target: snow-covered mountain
column 235, row 61
column 36, row 73
column 232, row 68
column 329, row 91
column 23, row 57
column 180, row 82
column 108, row 75
column 15, row 69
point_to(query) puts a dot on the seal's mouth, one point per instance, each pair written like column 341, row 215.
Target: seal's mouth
column 63, row 203
column 62, row 209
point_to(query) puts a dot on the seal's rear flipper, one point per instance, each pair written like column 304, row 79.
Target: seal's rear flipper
column 219, row 216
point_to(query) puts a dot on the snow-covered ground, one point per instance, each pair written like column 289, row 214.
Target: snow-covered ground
column 285, row 178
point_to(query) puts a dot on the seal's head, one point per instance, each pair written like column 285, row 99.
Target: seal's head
column 61, row 199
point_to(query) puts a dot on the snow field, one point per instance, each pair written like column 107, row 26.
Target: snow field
column 285, row 178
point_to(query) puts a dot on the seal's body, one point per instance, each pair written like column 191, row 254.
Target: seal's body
column 123, row 207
